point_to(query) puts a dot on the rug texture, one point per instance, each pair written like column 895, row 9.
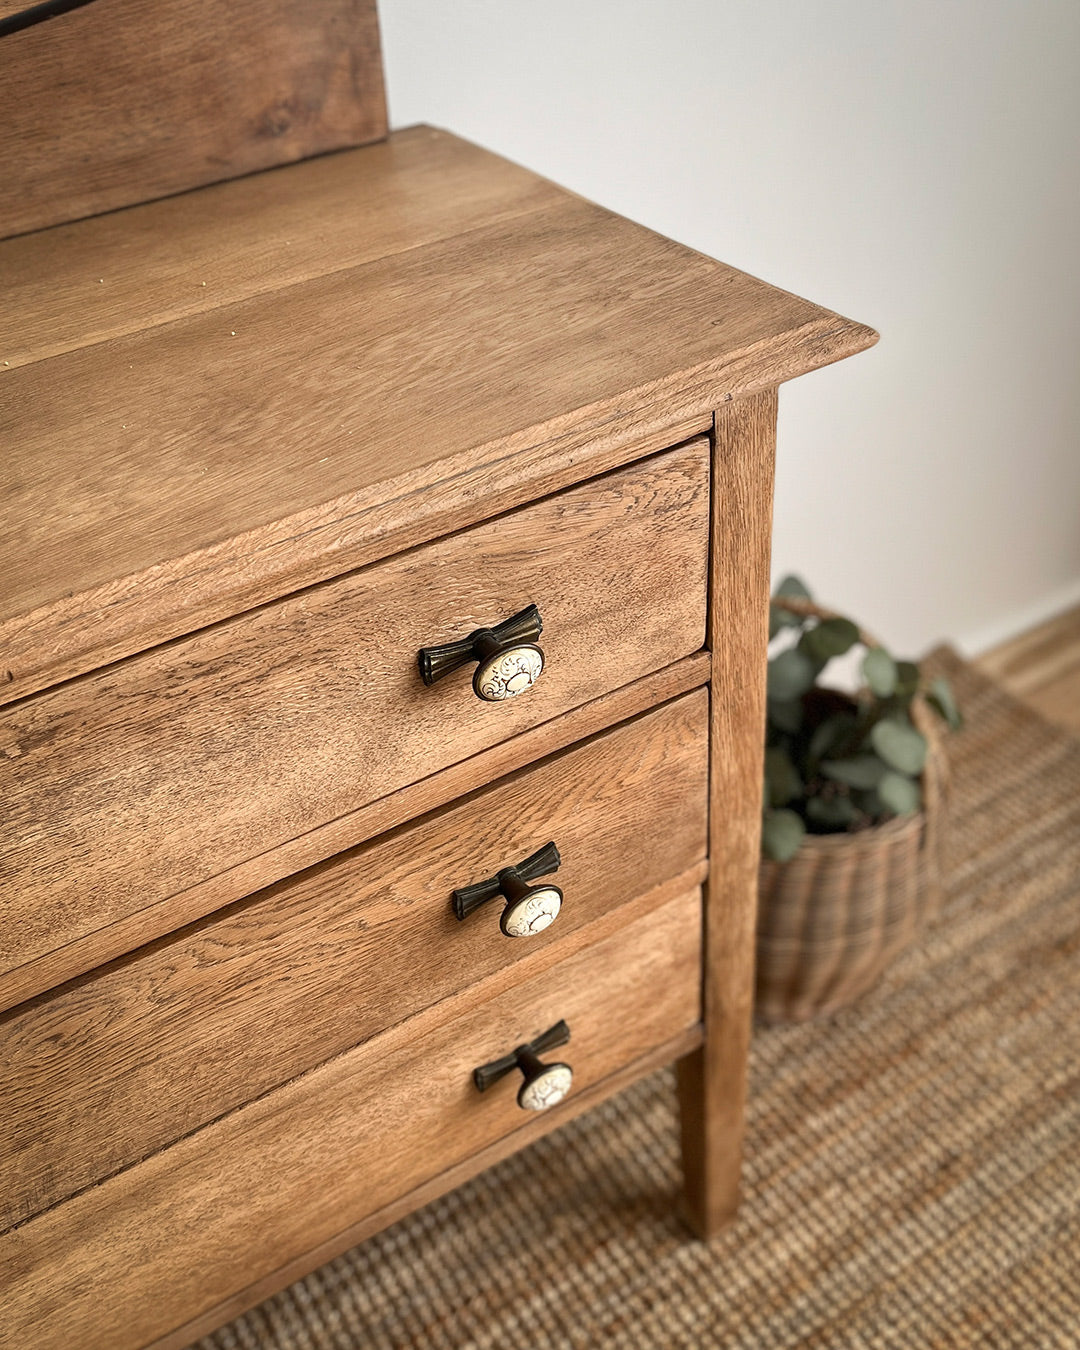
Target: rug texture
column 912, row 1164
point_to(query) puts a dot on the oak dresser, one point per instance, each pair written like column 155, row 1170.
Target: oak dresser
column 383, row 598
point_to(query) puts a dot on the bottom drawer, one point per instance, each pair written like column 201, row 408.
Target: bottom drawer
column 170, row 1238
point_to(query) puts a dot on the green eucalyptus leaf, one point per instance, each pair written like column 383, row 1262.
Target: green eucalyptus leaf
column 941, row 699
column 791, row 673
column 829, row 638
column 907, row 681
column 830, row 734
column 786, row 714
column 899, row 745
column 781, row 834
column 899, row 794
column 860, row 771
column 792, row 588
column 782, row 781
column 835, row 814
column 880, row 672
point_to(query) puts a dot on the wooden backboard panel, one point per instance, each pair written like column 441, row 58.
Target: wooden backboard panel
column 125, row 100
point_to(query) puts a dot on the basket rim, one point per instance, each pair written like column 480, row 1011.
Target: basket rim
column 873, row 837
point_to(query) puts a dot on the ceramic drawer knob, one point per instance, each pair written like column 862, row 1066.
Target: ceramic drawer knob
column 544, row 1085
column 528, row 909
column 508, row 660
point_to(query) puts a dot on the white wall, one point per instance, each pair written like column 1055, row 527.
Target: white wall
column 911, row 163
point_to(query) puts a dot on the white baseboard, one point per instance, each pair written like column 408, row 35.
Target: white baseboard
column 1019, row 621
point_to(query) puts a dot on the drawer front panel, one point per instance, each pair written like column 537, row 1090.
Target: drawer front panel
column 149, row 777
column 112, row 1068
column 177, row 1234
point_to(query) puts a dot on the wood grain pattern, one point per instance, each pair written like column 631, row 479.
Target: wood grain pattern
column 126, row 100
column 114, row 1067
column 167, row 478
column 712, row 1081
column 142, row 780
column 83, row 283
column 271, row 407
column 576, row 1104
column 166, row 916
column 177, row 1234
column 84, row 631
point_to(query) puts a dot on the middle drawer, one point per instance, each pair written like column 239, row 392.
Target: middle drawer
column 117, row 1065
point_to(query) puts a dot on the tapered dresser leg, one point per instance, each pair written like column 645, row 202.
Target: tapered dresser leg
column 712, row 1081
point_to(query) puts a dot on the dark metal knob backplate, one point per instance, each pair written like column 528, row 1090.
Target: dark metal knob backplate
column 528, row 909
column 508, row 660
column 544, row 1084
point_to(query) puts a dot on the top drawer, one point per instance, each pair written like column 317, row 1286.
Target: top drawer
column 149, row 777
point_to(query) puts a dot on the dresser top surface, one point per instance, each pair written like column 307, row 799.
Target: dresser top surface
column 268, row 359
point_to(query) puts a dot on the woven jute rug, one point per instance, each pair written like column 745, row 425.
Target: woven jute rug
column 912, row 1164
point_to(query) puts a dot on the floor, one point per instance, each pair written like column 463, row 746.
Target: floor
column 1042, row 666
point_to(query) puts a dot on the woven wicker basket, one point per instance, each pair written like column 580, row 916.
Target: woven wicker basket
column 832, row 918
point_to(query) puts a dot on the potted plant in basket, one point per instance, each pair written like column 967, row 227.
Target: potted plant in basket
column 853, row 810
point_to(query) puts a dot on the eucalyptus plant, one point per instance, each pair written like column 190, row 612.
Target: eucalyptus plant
column 835, row 762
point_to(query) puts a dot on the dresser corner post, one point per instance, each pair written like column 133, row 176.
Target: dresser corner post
column 712, row 1080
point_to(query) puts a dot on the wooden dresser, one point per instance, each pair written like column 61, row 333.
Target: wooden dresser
column 383, row 596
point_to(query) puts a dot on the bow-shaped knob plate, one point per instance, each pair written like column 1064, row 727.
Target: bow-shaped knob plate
column 529, row 909
column 544, row 1085
column 508, row 660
